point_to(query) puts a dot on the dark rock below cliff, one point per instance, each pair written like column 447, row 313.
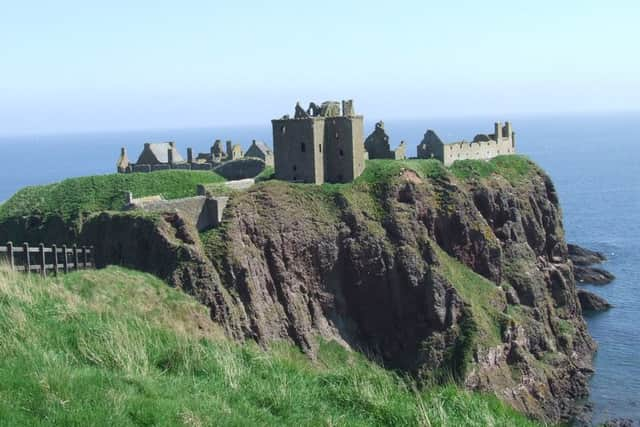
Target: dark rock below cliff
column 426, row 271
column 583, row 259
column 592, row 275
column 592, row 302
column 581, row 256
column 619, row 422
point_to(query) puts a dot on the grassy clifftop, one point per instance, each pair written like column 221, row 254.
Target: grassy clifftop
column 115, row 347
column 73, row 197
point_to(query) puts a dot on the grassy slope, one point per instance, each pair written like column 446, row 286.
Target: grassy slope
column 75, row 196
column 512, row 167
column 115, row 347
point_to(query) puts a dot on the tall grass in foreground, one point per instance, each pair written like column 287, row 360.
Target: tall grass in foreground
column 116, row 347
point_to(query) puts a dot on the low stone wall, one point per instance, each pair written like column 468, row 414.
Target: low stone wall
column 241, row 168
column 167, row 166
column 202, row 212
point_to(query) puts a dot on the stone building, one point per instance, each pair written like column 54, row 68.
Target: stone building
column 154, row 156
column 377, row 145
column 234, row 151
column 260, row 150
column 483, row 147
column 217, row 153
column 320, row 144
column 232, row 164
column 159, row 153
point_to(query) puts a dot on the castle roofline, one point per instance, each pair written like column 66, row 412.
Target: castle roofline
column 301, row 119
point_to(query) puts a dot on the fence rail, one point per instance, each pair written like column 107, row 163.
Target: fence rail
column 42, row 259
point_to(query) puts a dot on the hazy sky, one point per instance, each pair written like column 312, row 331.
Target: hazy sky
column 75, row 65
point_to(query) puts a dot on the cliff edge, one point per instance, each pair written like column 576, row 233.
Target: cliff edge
column 445, row 273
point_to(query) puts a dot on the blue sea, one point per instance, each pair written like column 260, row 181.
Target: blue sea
column 594, row 161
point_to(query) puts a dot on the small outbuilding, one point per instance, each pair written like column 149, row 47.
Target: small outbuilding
column 260, row 150
column 159, row 153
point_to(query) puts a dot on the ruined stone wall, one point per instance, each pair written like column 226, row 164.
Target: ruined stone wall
column 377, row 144
column 431, row 147
column 202, row 212
column 165, row 166
column 297, row 148
column 483, row 147
column 344, row 148
column 483, row 150
column 400, row 153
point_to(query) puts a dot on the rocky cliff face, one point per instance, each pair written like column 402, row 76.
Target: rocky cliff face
column 436, row 276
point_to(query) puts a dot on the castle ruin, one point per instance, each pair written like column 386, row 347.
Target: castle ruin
column 483, row 147
column 232, row 162
column 321, row 144
column 377, row 145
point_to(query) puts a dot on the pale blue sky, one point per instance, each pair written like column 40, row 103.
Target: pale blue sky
column 76, row 66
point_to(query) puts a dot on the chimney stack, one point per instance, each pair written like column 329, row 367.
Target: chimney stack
column 170, row 155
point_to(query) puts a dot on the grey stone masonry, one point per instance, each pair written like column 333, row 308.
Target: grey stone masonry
column 202, row 212
column 320, row 144
column 482, row 147
column 232, row 164
column 377, row 145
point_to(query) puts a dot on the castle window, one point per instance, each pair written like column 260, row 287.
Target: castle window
column 283, row 129
column 320, row 147
column 341, row 153
column 303, row 148
column 295, row 168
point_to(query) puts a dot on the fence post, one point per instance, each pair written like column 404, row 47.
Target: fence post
column 65, row 258
column 12, row 263
column 84, row 257
column 54, row 251
column 43, row 263
column 27, row 258
column 75, row 257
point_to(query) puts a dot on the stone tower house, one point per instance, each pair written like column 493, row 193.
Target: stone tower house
column 320, row 144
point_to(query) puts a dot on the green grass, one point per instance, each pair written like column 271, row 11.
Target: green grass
column 267, row 174
column 116, row 347
column 384, row 170
column 75, row 197
column 512, row 167
column 482, row 295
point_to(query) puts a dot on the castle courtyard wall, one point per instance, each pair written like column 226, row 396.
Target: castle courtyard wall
column 483, row 150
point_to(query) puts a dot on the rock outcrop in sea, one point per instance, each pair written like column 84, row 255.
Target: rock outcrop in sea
column 584, row 272
column 592, row 302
